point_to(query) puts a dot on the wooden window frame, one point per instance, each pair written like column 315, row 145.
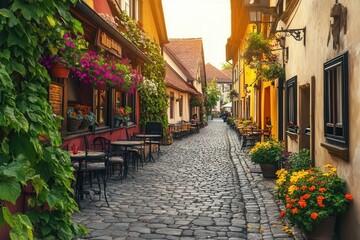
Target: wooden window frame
column 291, row 85
column 336, row 133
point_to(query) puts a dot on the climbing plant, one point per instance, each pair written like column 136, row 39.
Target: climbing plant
column 154, row 104
column 30, row 153
column 259, row 56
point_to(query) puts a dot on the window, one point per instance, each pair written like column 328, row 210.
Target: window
column 101, row 106
column 131, row 7
column 172, row 100
column 125, row 99
column 291, row 100
column 181, row 107
column 336, row 100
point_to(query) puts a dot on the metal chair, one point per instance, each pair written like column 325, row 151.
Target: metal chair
column 155, row 128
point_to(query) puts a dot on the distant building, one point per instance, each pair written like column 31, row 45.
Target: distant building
column 185, row 77
column 223, row 78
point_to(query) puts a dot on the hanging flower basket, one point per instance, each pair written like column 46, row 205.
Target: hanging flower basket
column 59, row 70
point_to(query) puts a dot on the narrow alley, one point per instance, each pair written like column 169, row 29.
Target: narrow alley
column 200, row 188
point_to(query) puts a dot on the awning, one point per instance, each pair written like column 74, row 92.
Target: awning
column 228, row 105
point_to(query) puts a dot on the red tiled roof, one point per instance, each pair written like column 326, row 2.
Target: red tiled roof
column 212, row 72
column 173, row 80
column 189, row 52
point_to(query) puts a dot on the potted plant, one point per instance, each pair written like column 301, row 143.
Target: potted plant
column 257, row 48
column 65, row 55
column 74, row 119
column 122, row 116
column 233, row 93
column 312, row 198
column 267, row 155
column 292, row 127
column 168, row 138
column 89, row 118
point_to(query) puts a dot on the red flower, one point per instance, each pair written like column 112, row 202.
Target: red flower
column 314, row 215
column 319, row 200
column 312, row 188
column 288, row 205
column 302, row 203
column 348, row 197
column 303, row 187
column 322, row 190
column 282, row 213
column 295, row 210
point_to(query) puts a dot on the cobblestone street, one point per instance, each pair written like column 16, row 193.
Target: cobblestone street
column 200, row 188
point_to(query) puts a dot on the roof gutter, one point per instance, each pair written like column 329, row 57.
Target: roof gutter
column 89, row 13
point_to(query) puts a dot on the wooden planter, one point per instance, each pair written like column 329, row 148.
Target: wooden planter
column 73, row 124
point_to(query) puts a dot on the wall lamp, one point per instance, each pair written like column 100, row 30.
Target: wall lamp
column 298, row 34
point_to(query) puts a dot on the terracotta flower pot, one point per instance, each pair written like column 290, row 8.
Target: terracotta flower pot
column 59, row 70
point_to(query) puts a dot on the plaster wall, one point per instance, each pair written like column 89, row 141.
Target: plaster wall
column 307, row 61
column 174, row 66
column 148, row 21
column 186, row 106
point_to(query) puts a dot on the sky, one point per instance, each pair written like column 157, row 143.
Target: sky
column 208, row 19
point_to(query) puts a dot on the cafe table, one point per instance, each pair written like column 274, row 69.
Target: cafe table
column 78, row 160
column 126, row 144
column 151, row 137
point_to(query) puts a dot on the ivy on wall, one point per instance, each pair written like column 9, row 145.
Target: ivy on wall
column 154, row 105
column 30, row 141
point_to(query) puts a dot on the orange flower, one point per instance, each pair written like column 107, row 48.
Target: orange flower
column 282, row 213
column 319, row 200
column 348, row 197
column 322, row 190
column 288, row 205
column 306, row 196
column 303, row 187
column 312, row 188
column 295, row 210
column 302, row 203
column 314, row 215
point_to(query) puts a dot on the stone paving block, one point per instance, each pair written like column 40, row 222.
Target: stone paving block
column 216, row 196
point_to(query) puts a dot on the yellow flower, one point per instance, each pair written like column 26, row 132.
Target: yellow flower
column 292, row 188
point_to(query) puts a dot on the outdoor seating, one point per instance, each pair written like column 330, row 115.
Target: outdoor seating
column 154, row 128
column 115, row 158
column 89, row 164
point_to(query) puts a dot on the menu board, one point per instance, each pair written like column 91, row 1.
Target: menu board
column 56, row 98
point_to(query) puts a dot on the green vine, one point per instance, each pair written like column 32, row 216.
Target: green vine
column 30, row 152
column 258, row 54
column 154, row 104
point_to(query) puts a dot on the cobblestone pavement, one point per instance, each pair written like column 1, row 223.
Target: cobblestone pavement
column 200, row 188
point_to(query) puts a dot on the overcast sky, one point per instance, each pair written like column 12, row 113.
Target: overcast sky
column 208, row 19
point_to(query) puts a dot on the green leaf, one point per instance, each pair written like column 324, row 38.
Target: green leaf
column 5, row 54
column 18, row 68
column 51, row 20
column 10, row 190
column 6, row 13
column 17, row 169
column 7, row 216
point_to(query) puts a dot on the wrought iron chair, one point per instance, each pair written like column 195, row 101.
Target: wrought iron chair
column 155, row 128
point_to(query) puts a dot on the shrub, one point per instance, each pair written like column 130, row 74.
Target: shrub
column 266, row 152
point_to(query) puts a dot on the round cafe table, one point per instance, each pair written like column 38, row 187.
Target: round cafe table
column 151, row 137
column 79, row 160
column 126, row 144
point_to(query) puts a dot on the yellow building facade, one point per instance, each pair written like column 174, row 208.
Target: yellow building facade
column 257, row 99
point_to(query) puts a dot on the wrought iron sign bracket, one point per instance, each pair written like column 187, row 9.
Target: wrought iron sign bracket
column 295, row 33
